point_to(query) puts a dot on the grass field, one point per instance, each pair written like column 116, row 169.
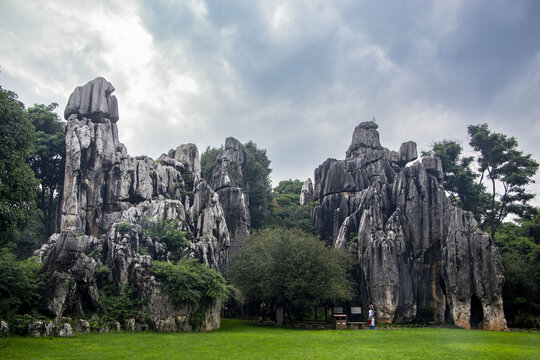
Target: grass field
column 240, row 340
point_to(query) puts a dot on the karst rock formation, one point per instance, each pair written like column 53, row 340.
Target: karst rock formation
column 416, row 253
column 227, row 180
column 109, row 200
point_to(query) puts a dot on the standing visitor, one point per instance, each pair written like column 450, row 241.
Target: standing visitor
column 371, row 317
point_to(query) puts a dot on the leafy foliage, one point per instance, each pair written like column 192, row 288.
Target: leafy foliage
column 124, row 227
column 520, row 251
column 189, row 281
column 48, row 161
column 500, row 162
column 17, row 181
column 459, row 179
column 169, row 232
column 257, row 184
column 208, row 161
column 286, row 210
column 21, row 286
column 290, row 267
column 289, row 187
column 122, row 307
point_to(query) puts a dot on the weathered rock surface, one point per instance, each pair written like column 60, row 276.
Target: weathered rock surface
column 94, row 101
column 306, row 194
column 64, row 330
column 227, row 180
column 110, row 199
column 41, row 328
column 83, row 326
column 4, row 329
column 417, row 254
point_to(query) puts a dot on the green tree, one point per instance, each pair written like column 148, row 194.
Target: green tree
column 21, row 285
column 289, row 187
column 256, row 181
column 48, row 161
column 503, row 166
column 286, row 210
column 191, row 282
column 169, row 231
column 519, row 245
column 208, row 161
column 288, row 267
column 17, row 181
column 460, row 181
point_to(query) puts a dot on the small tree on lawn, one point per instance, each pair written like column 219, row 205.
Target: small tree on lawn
column 288, row 267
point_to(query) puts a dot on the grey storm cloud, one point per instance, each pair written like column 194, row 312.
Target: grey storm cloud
column 296, row 77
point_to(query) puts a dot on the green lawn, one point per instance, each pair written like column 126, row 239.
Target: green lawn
column 240, row 340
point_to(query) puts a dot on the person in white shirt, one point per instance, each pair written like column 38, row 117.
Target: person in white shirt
column 371, row 317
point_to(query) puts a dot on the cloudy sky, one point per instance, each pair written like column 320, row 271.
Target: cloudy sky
column 295, row 77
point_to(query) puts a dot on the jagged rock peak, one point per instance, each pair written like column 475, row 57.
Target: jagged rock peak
column 93, row 101
column 306, row 194
column 187, row 156
column 232, row 143
column 365, row 136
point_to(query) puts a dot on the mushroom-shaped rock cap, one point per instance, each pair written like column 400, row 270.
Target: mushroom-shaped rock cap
column 93, row 101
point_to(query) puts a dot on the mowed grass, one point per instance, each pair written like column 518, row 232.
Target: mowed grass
column 241, row 340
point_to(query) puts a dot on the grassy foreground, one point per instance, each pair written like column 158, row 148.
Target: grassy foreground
column 240, row 340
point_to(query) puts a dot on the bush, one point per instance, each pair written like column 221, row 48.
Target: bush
column 190, row 282
column 168, row 231
column 21, row 286
column 120, row 308
column 124, row 227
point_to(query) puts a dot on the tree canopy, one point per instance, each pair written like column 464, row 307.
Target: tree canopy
column 257, row 184
column 286, row 210
column 500, row 162
column 208, row 161
column 519, row 245
column 48, row 161
column 460, row 181
column 17, row 181
column 289, row 267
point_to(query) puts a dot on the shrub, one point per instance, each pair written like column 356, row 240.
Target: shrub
column 124, row 227
column 168, row 232
column 21, row 286
column 120, row 308
column 190, row 282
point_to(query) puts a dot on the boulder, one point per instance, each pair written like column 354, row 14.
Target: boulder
column 64, row 330
column 4, row 329
column 83, row 327
column 129, row 324
column 41, row 328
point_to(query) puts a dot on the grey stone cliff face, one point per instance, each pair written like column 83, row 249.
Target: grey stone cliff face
column 227, row 179
column 415, row 251
column 109, row 201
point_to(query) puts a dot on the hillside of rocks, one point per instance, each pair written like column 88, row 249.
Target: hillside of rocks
column 416, row 254
column 110, row 200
